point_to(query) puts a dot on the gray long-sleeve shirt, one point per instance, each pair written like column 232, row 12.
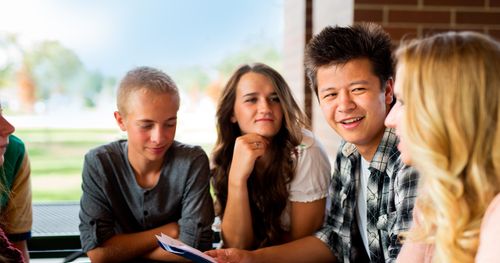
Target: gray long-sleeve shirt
column 112, row 202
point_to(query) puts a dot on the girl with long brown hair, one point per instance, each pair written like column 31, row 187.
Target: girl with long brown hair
column 270, row 173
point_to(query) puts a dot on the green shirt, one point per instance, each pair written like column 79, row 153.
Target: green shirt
column 13, row 159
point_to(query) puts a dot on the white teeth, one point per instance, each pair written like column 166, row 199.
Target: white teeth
column 351, row 120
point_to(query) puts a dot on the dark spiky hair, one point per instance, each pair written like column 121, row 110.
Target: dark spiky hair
column 338, row 45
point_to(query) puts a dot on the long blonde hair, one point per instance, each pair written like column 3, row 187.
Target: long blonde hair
column 451, row 86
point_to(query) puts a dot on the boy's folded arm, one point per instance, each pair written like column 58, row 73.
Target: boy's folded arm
column 123, row 247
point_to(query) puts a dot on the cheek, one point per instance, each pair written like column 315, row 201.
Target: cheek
column 171, row 133
column 398, row 119
column 328, row 110
column 137, row 134
column 279, row 114
column 239, row 115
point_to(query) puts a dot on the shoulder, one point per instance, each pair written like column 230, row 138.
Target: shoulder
column 15, row 149
column 309, row 144
column 15, row 141
column 308, row 139
column 186, row 153
column 114, row 147
column 114, row 154
column 312, row 158
column 14, row 157
column 187, row 150
column 312, row 174
column 187, row 161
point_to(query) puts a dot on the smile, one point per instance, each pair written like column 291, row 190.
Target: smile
column 349, row 121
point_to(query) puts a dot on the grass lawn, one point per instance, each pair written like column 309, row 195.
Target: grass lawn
column 56, row 157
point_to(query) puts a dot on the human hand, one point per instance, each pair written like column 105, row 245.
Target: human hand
column 231, row 255
column 247, row 149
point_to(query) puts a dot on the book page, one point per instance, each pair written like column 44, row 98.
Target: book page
column 177, row 247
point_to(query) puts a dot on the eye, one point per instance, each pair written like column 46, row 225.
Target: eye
column 146, row 126
column 251, row 100
column 358, row 90
column 171, row 124
column 274, row 99
column 331, row 95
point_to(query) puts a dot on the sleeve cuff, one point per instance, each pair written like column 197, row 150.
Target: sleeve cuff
column 19, row 237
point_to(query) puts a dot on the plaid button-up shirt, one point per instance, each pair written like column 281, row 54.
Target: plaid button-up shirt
column 397, row 186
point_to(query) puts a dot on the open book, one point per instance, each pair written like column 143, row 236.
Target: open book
column 177, row 247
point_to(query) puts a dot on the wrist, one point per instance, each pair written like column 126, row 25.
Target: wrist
column 237, row 183
column 258, row 255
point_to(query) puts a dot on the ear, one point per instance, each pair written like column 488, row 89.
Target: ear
column 120, row 121
column 389, row 91
column 233, row 119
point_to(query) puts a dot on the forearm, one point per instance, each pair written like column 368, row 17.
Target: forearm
column 307, row 249
column 123, row 247
column 236, row 227
column 159, row 254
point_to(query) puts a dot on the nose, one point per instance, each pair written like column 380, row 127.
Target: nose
column 345, row 102
column 156, row 134
column 264, row 106
column 6, row 128
column 391, row 118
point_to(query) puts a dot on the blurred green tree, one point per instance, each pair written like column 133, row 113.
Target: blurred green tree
column 48, row 69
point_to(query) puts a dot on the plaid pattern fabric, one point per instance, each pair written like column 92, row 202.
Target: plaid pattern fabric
column 374, row 187
column 389, row 209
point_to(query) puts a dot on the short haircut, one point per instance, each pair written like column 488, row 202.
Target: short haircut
column 338, row 45
column 147, row 78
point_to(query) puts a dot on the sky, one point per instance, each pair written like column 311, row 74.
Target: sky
column 114, row 36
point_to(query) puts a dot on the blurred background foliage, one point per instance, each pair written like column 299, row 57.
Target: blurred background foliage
column 46, row 77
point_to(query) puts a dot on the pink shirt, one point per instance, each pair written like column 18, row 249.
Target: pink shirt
column 488, row 250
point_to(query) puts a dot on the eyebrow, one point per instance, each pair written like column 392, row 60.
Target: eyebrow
column 249, row 94
column 255, row 93
column 148, row 121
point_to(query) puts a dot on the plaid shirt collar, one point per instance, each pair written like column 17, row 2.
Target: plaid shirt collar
column 383, row 153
